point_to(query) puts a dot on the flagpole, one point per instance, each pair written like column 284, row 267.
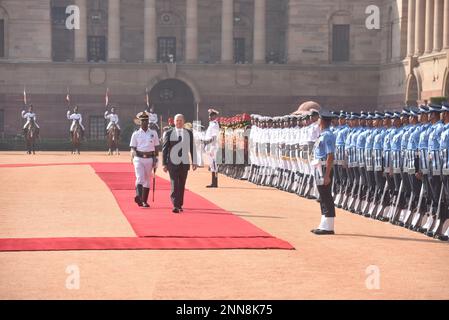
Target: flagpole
column 25, row 95
column 107, row 98
column 67, row 98
column 197, row 111
column 161, row 127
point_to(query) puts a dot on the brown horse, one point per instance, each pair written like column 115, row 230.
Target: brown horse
column 76, row 138
column 113, row 139
column 30, row 137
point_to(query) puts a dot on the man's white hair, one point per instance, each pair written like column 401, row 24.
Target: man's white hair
column 179, row 115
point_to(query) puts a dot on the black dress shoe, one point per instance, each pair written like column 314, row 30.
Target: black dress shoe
column 138, row 201
column 145, row 205
column 181, row 209
column 322, row 232
column 175, row 210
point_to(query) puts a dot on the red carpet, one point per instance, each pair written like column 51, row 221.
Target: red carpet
column 75, row 244
column 202, row 225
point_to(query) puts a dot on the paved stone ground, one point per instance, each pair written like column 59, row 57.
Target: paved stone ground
column 72, row 201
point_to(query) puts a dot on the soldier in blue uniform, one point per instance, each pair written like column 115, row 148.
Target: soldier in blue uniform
column 369, row 162
column 444, row 154
column 340, row 160
column 434, row 162
column 351, row 148
column 361, row 162
column 411, row 161
column 396, row 135
column 324, row 150
column 378, row 141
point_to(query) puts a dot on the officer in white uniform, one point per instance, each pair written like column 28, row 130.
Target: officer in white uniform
column 75, row 116
column 29, row 116
column 144, row 150
column 211, row 145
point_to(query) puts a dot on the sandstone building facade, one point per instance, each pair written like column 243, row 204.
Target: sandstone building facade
column 261, row 56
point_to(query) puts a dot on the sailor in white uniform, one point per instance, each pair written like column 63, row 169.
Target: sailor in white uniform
column 144, row 150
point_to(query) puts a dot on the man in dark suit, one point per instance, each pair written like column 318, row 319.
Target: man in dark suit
column 177, row 143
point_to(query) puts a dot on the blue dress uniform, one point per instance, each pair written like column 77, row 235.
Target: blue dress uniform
column 378, row 142
column 406, row 131
column 411, row 166
column 423, row 145
column 353, row 169
column 444, row 156
column 434, row 157
column 324, row 146
column 360, row 147
column 369, row 159
column 396, row 159
column 340, row 160
column 388, row 166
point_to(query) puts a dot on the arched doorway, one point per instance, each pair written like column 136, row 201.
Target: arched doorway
column 173, row 96
column 412, row 94
column 446, row 84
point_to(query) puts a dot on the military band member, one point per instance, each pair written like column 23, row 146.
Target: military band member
column 324, row 150
column 144, row 150
column 30, row 116
column 76, row 117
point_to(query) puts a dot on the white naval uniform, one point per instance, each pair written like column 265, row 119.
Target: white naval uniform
column 29, row 116
column 212, row 132
column 144, row 141
column 74, row 117
column 113, row 118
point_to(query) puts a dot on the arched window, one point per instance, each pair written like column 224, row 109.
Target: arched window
column 3, row 33
column 340, row 37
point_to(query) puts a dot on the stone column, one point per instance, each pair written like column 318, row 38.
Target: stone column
column 259, row 31
column 192, row 31
column 438, row 26
column 411, row 28
column 419, row 26
column 150, row 31
column 429, row 26
column 227, row 31
column 446, row 25
column 114, row 31
column 81, row 33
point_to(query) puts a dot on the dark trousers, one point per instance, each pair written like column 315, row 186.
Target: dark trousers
column 435, row 188
column 326, row 199
column 178, row 177
column 380, row 182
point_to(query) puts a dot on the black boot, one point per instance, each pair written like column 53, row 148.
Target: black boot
column 146, row 192
column 214, row 183
column 139, row 193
